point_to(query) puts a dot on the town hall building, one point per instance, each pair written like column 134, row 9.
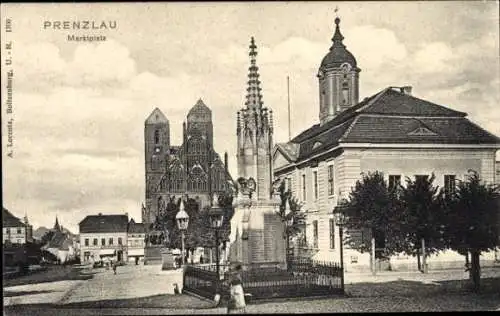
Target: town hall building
column 393, row 132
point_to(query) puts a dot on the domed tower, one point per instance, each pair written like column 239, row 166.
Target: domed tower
column 338, row 77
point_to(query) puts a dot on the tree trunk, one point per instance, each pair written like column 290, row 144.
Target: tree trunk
column 374, row 268
column 418, row 260
column 424, row 263
column 475, row 271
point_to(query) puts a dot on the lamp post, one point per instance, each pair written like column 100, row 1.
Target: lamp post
column 216, row 217
column 182, row 219
column 339, row 218
column 289, row 223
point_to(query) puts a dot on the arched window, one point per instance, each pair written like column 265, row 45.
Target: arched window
column 157, row 137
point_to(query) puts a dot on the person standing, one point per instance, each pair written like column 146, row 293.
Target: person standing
column 115, row 264
column 236, row 294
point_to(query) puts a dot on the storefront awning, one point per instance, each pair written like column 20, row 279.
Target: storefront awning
column 107, row 252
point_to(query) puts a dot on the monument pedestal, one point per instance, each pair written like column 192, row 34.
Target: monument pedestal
column 167, row 260
column 257, row 234
column 152, row 254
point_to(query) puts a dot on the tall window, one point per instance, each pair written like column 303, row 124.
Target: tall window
column 315, row 184
column 95, row 242
column 331, row 190
column 332, row 233
column 449, row 184
column 103, row 241
column 86, row 242
column 157, row 137
column 394, row 181
column 345, row 93
column 315, row 234
column 119, row 240
column 111, row 241
column 303, row 187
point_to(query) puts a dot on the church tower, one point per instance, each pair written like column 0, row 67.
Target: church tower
column 254, row 131
column 198, row 142
column 156, row 150
column 338, row 77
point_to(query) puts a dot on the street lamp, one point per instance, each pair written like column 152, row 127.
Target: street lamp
column 216, row 216
column 289, row 223
column 182, row 219
column 339, row 213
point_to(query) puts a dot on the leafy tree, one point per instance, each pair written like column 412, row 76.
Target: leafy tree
column 47, row 237
column 422, row 208
column 473, row 222
column 373, row 207
column 296, row 212
column 206, row 234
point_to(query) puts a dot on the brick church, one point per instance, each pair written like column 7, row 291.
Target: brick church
column 193, row 168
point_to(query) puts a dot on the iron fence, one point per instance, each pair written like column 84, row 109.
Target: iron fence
column 303, row 278
column 201, row 281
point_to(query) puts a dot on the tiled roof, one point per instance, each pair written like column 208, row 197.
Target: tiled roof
column 9, row 220
column 391, row 116
column 136, row 228
column 386, row 129
column 156, row 117
column 104, row 224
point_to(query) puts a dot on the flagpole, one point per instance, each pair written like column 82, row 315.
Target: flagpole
column 288, row 94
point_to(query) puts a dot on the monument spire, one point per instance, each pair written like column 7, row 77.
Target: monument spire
column 253, row 97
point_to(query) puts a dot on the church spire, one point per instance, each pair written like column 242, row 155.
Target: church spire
column 337, row 36
column 56, row 225
column 254, row 97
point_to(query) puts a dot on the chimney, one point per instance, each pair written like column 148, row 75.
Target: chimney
column 406, row 90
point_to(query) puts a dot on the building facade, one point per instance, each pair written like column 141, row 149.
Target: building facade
column 135, row 240
column 193, row 168
column 103, row 236
column 392, row 132
column 15, row 230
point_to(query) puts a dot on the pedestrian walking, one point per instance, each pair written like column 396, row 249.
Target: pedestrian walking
column 115, row 264
column 236, row 302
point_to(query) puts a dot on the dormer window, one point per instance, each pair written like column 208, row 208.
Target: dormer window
column 316, row 145
column 422, row 131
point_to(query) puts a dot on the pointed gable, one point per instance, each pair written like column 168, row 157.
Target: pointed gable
column 156, row 117
column 200, row 112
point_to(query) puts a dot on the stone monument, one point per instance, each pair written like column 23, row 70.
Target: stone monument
column 257, row 231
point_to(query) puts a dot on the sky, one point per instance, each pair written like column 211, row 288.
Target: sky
column 79, row 107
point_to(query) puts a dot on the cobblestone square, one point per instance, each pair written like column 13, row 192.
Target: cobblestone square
column 146, row 290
